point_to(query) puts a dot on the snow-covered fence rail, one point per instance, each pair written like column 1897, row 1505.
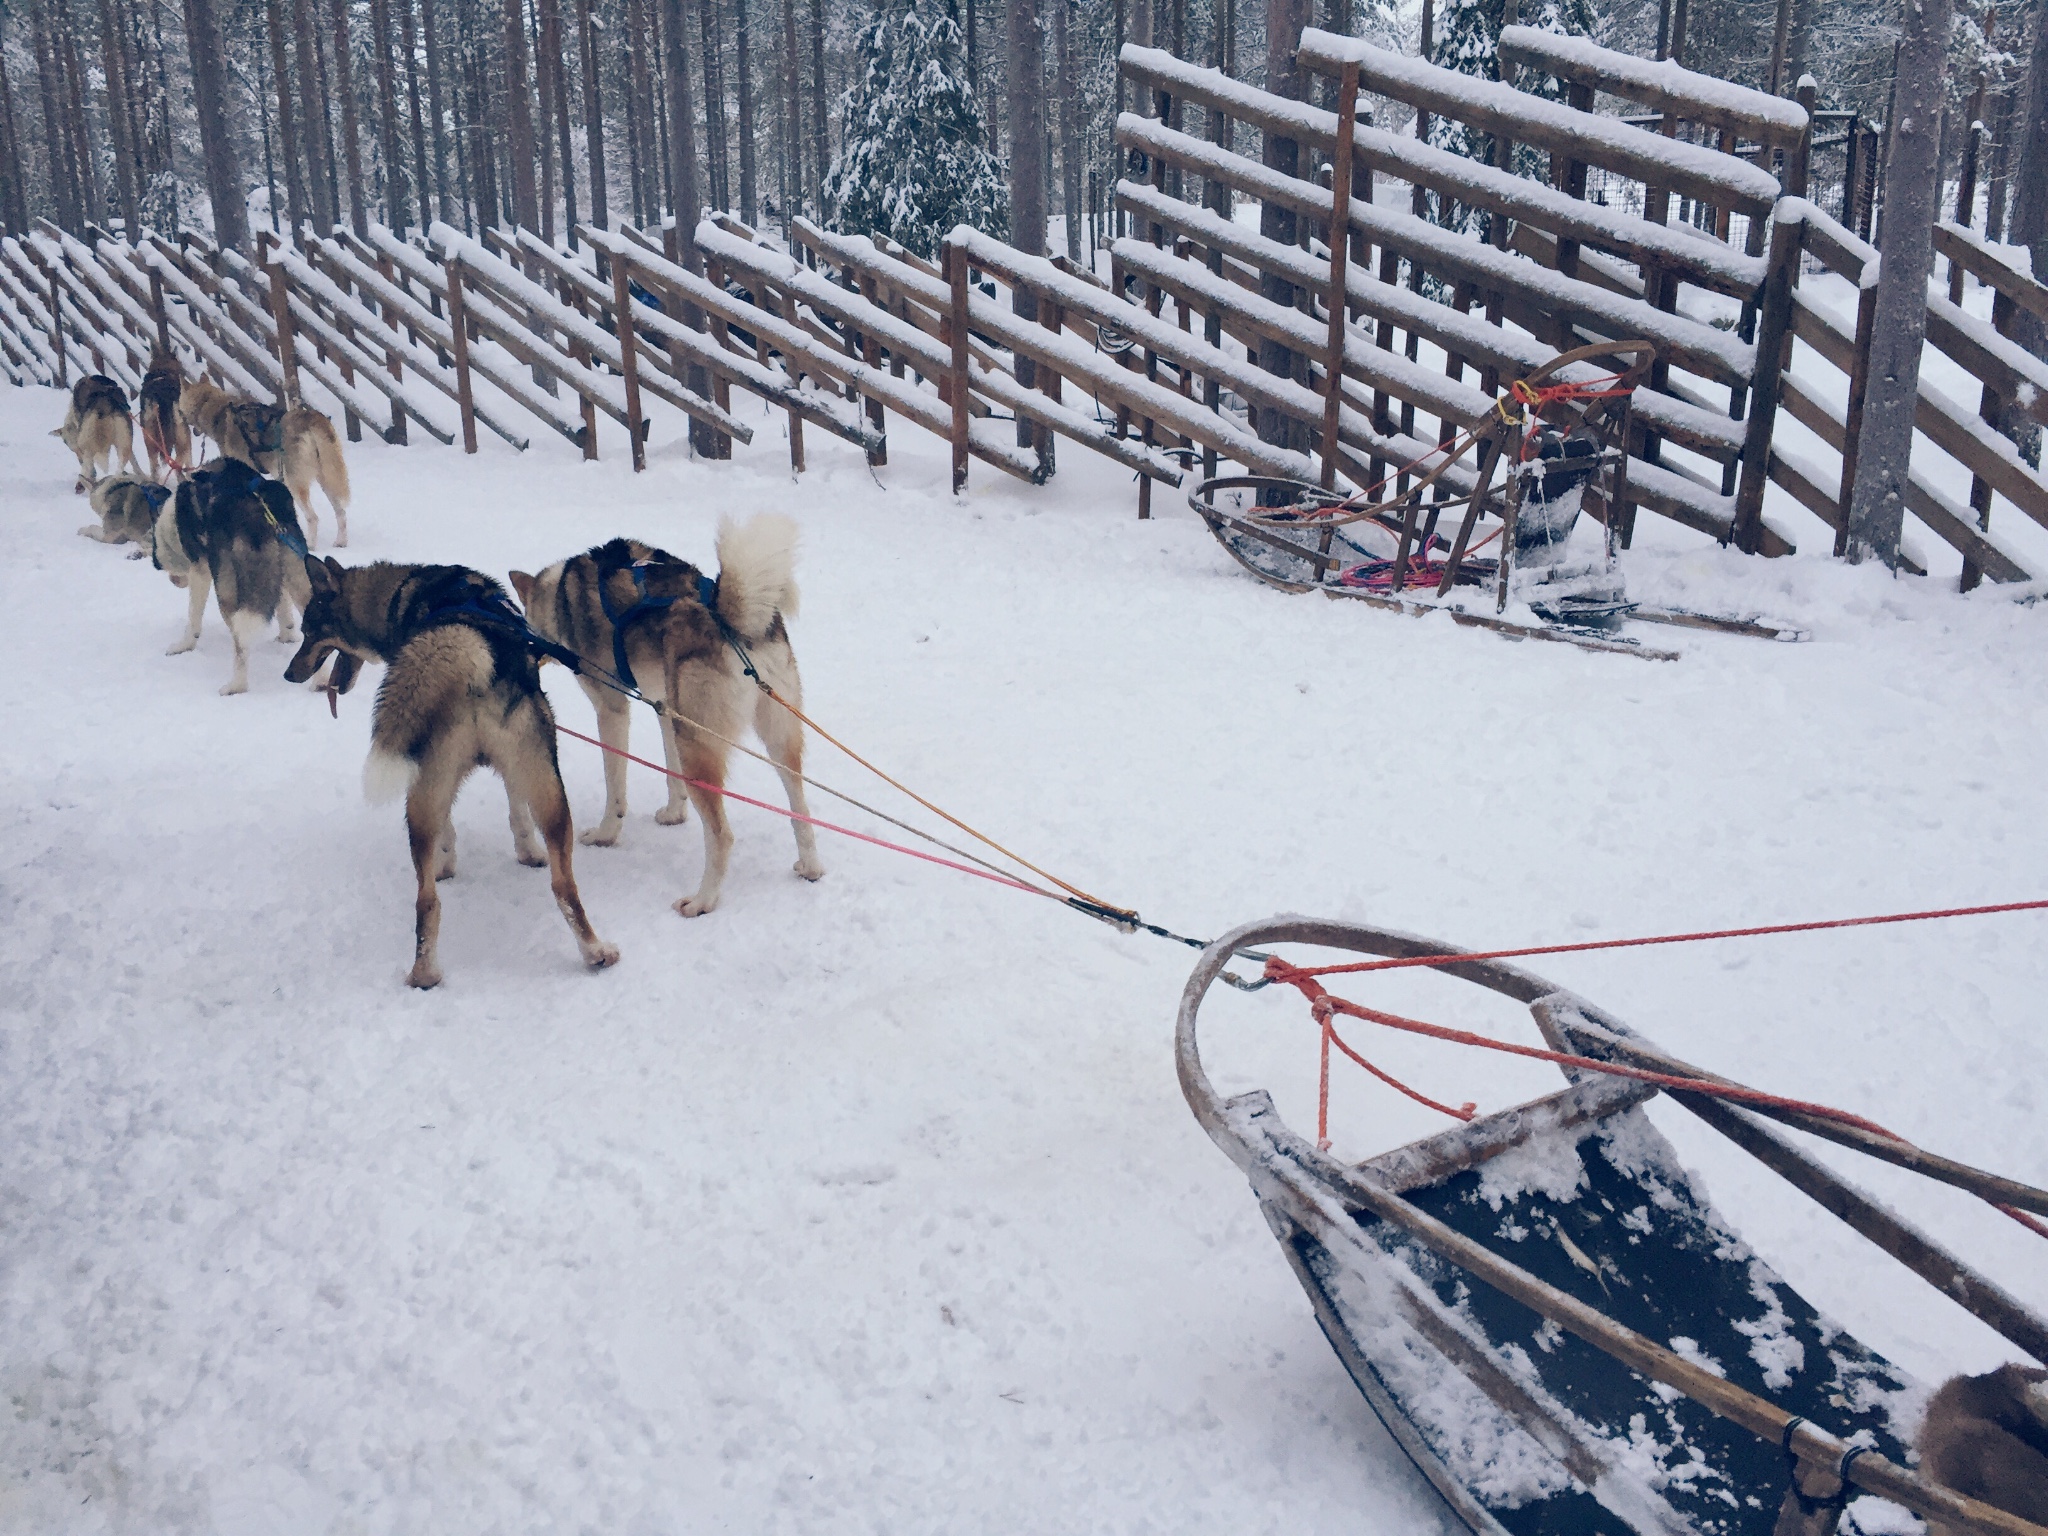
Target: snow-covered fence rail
column 2010, row 377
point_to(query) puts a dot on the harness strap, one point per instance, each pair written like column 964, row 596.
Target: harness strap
column 643, row 605
column 492, row 611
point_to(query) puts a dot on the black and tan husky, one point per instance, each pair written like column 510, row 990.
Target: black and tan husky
column 462, row 691
column 660, row 623
column 233, row 533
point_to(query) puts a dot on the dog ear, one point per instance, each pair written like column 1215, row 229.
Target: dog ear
column 523, row 585
column 320, row 576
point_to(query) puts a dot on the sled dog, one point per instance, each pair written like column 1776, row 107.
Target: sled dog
column 165, row 437
column 652, row 618
column 297, row 446
column 1987, row 1437
column 96, row 427
column 127, row 506
column 462, row 691
column 231, row 531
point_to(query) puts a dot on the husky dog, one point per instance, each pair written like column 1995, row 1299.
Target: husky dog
column 1987, row 1437
column 232, row 531
column 127, row 506
column 97, row 427
column 653, row 618
column 462, row 691
column 165, row 437
column 297, row 446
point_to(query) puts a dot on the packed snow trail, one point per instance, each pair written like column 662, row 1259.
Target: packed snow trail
column 873, row 1205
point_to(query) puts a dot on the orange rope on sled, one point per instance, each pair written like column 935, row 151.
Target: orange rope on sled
column 1325, row 1005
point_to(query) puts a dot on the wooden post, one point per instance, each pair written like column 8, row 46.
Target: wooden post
column 872, row 356
column 629, row 365
column 1852, row 427
column 287, row 347
column 1773, row 340
column 1991, row 408
column 1966, row 185
column 956, row 325
column 458, row 327
column 1340, row 252
column 57, row 330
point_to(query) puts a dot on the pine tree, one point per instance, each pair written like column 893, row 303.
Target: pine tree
column 1468, row 40
column 916, row 160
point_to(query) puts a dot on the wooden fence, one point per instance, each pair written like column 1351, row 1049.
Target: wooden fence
column 1214, row 341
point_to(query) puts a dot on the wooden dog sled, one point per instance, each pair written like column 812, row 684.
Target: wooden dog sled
column 1556, row 1325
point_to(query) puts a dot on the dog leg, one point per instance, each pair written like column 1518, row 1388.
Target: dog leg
column 783, row 735
column 677, row 811
column 543, row 792
column 244, row 627
column 302, row 498
column 614, row 729
column 704, row 763
column 444, row 868
column 526, row 844
column 423, row 829
column 197, row 587
column 95, row 531
column 288, row 616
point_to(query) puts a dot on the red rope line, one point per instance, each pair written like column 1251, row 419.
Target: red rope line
column 733, row 794
column 1405, row 961
column 1325, row 1004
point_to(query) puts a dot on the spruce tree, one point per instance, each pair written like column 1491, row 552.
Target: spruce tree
column 1468, row 40
column 916, row 159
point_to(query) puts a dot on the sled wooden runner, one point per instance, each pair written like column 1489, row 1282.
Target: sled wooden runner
column 1553, row 1321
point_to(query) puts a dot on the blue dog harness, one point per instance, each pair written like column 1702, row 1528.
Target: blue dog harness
column 644, row 604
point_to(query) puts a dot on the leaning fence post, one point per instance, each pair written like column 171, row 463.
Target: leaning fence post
column 1340, row 258
column 1773, row 339
column 57, row 328
column 956, row 323
column 281, row 316
column 458, row 329
column 629, row 362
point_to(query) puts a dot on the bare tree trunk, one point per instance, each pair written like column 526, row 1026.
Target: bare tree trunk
column 792, row 84
column 351, row 129
column 483, row 179
column 1285, row 20
column 287, row 120
column 409, row 37
column 397, row 205
column 1877, row 505
column 13, row 157
column 113, row 64
column 430, row 43
column 56, row 142
column 1025, row 79
column 717, row 171
column 555, row 79
column 323, row 184
column 646, row 206
column 743, row 66
column 1066, row 18
column 821, row 140
column 593, row 114
column 519, row 118
column 682, row 158
column 2030, row 183
column 974, row 48
column 210, row 98
column 544, row 125
column 81, row 134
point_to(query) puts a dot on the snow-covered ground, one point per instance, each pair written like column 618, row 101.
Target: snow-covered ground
column 873, row 1205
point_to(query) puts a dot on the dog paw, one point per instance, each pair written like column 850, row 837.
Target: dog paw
column 604, row 835
column 287, row 637
column 229, row 689
column 598, row 956
column 182, row 646
column 673, row 815
column 810, row 869
column 532, row 855
column 424, row 976
column 694, row 906
column 138, row 554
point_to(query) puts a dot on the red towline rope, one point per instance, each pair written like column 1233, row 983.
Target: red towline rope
column 1324, row 1004
column 1404, row 961
column 733, row 794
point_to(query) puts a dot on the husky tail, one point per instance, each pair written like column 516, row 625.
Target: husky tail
column 756, row 581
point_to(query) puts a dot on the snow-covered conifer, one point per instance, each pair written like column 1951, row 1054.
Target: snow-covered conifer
column 916, row 159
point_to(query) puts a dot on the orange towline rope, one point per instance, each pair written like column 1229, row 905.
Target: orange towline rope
column 1402, row 962
column 1325, row 1004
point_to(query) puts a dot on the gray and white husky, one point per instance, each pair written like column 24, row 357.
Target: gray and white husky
column 231, row 532
column 127, row 507
column 462, row 691
column 633, row 609
column 97, row 427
